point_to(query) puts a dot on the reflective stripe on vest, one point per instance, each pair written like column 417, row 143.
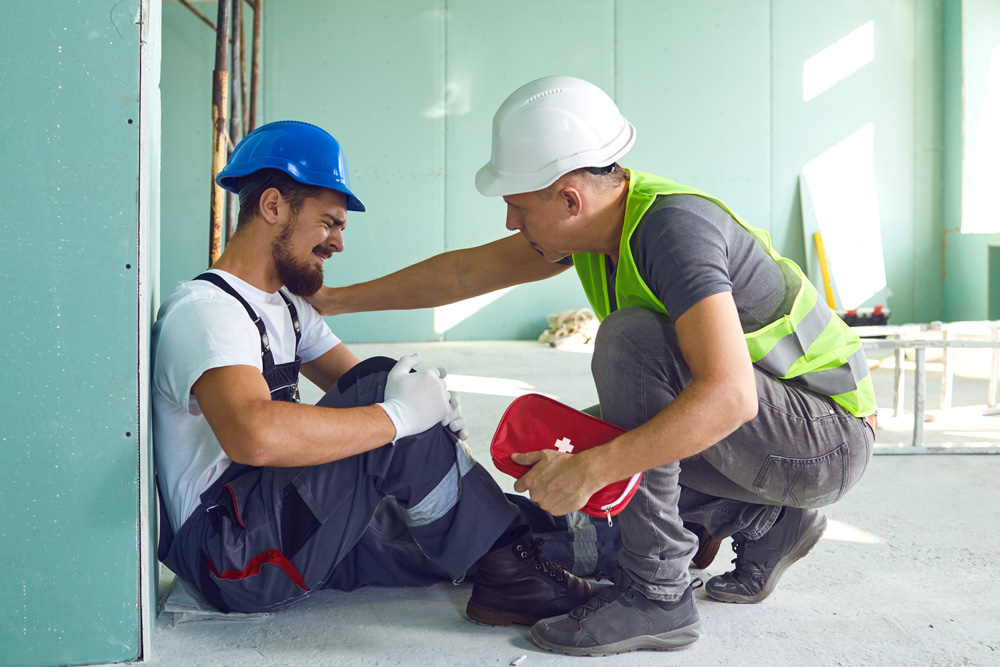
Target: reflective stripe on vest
column 808, row 345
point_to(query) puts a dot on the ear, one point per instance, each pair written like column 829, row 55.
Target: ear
column 572, row 199
column 272, row 206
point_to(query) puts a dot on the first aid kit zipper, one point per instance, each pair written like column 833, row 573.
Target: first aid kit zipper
column 628, row 489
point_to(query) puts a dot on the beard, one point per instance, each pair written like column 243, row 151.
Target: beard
column 302, row 278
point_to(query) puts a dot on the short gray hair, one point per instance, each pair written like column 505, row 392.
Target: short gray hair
column 602, row 179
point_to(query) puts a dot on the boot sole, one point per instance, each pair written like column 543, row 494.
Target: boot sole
column 667, row 641
column 483, row 615
column 708, row 547
column 706, row 555
column 805, row 544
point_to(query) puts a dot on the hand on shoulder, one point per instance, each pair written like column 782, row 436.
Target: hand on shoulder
column 324, row 301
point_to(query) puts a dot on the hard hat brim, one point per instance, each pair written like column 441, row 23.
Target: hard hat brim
column 227, row 180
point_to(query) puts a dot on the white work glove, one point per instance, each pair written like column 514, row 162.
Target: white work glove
column 414, row 401
column 454, row 419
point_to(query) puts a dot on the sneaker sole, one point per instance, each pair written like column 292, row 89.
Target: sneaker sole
column 667, row 641
column 805, row 544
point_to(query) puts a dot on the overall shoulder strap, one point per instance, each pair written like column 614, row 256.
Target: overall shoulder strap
column 267, row 359
column 295, row 319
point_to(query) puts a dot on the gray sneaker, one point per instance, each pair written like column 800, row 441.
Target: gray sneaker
column 760, row 563
column 621, row 619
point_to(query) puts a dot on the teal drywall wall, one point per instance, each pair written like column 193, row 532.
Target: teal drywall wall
column 695, row 80
column 993, row 292
column 69, row 153
column 929, row 162
column 715, row 90
column 879, row 94
column 967, row 278
column 973, row 87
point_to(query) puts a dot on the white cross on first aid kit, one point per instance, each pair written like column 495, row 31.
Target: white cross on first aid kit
column 562, row 444
column 532, row 420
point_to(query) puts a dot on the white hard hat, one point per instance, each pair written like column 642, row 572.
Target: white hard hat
column 548, row 128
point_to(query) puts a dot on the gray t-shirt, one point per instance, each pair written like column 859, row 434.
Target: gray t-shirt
column 687, row 249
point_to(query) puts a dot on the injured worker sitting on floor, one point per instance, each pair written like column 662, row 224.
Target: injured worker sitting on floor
column 747, row 402
column 265, row 499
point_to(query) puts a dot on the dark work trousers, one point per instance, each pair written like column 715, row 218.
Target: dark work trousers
column 386, row 555
column 801, row 450
column 265, row 537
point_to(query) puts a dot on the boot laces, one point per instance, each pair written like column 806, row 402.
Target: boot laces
column 542, row 563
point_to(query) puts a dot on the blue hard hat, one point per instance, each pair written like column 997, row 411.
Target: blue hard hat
column 303, row 151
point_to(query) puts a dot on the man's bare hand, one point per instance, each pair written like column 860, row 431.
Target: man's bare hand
column 560, row 483
column 323, row 301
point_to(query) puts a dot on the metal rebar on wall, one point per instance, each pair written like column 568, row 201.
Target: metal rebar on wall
column 258, row 7
column 220, row 105
column 242, row 116
column 237, row 97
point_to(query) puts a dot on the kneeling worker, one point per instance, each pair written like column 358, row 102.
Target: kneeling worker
column 266, row 499
column 748, row 402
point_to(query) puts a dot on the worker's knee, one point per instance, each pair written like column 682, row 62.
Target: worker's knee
column 628, row 335
column 367, row 368
column 362, row 385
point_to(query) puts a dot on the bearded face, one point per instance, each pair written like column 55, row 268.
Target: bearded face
column 302, row 277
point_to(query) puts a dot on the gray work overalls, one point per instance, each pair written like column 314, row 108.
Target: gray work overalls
column 264, row 537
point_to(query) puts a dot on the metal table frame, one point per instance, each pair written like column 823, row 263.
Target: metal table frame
column 919, row 346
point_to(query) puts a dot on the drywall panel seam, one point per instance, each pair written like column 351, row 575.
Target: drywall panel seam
column 444, row 124
column 770, row 114
column 614, row 51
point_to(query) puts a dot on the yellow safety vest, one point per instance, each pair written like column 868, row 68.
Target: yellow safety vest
column 808, row 345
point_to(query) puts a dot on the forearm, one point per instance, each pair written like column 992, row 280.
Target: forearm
column 280, row 434
column 253, row 429
column 700, row 416
column 446, row 278
column 561, row 483
column 433, row 282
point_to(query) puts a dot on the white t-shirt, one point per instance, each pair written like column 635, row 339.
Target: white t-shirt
column 200, row 327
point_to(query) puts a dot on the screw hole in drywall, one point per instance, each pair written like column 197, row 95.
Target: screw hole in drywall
column 128, row 266
column 128, row 434
column 129, row 121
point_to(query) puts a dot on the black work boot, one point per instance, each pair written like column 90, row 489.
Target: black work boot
column 621, row 619
column 515, row 584
column 761, row 562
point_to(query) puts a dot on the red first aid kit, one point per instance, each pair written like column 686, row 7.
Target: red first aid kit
column 534, row 422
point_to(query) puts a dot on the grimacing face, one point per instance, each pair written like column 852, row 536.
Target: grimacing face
column 308, row 239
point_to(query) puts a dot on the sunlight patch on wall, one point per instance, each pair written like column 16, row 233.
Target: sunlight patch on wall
column 838, row 61
column 446, row 317
column 979, row 211
column 840, row 186
column 457, row 100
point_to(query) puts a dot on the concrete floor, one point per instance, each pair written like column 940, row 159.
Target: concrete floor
column 906, row 574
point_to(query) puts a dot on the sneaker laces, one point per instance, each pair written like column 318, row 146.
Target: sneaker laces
column 604, row 596
column 744, row 567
